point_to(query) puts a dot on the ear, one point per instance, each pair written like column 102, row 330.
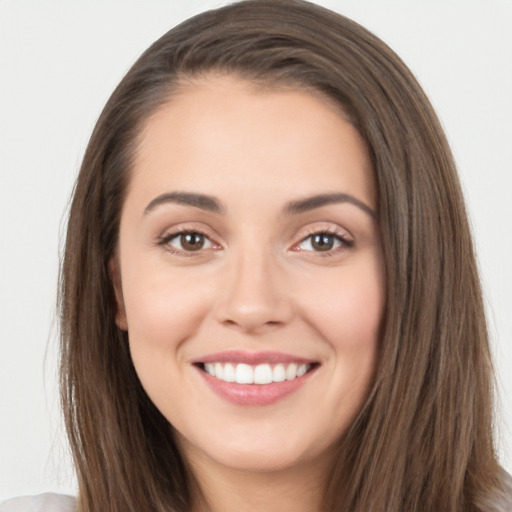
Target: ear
column 115, row 276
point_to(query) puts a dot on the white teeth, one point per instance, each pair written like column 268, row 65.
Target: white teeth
column 219, row 371
column 301, row 370
column 291, row 371
column 229, row 373
column 244, row 374
column 263, row 374
column 260, row 374
column 279, row 373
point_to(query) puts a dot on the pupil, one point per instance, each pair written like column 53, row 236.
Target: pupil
column 322, row 242
column 192, row 241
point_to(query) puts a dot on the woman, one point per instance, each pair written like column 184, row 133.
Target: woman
column 251, row 313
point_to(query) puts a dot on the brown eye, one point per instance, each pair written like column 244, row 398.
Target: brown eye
column 322, row 242
column 186, row 242
column 191, row 241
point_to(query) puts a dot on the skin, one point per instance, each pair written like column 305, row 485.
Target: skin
column 258, row 283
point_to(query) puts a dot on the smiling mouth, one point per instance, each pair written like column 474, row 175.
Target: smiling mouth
column 259, row 374
column 255, row 379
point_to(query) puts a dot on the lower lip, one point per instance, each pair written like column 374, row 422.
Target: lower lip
column 254, row 394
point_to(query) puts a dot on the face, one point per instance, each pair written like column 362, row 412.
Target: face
column 249, row 273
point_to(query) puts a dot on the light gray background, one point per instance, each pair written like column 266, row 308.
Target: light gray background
column 59, row 62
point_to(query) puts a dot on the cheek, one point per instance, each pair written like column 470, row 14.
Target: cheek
column 346, row 306
column 163, row 309
column 163, row 312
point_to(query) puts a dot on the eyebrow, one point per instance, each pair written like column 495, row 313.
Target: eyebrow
column 212, row 204
column 201, row 201
column 310, row 203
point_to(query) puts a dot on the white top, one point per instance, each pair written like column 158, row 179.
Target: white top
column 61, row 503
column 47, row 502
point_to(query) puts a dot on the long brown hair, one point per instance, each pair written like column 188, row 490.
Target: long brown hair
column 424, row 439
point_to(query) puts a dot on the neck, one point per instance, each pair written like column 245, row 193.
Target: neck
column 223, row 489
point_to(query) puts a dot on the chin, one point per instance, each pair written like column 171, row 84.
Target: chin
column 259, row 461
column 259, row 453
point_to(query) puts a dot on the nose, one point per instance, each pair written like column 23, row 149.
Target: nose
column 254, row 297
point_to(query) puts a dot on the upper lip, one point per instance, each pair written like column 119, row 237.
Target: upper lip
column 251, row 358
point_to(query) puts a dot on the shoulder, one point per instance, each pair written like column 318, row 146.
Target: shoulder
column 47, row 502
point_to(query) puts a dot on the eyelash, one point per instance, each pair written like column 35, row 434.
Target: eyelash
column 345, row 243
column 164, row 241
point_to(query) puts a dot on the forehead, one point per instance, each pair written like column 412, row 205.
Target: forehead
column 219, row 131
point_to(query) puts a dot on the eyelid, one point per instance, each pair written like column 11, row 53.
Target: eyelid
column 304, row 233
column 172, row 232
column 347, row 240
column 171, row 237
column 188, row 227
